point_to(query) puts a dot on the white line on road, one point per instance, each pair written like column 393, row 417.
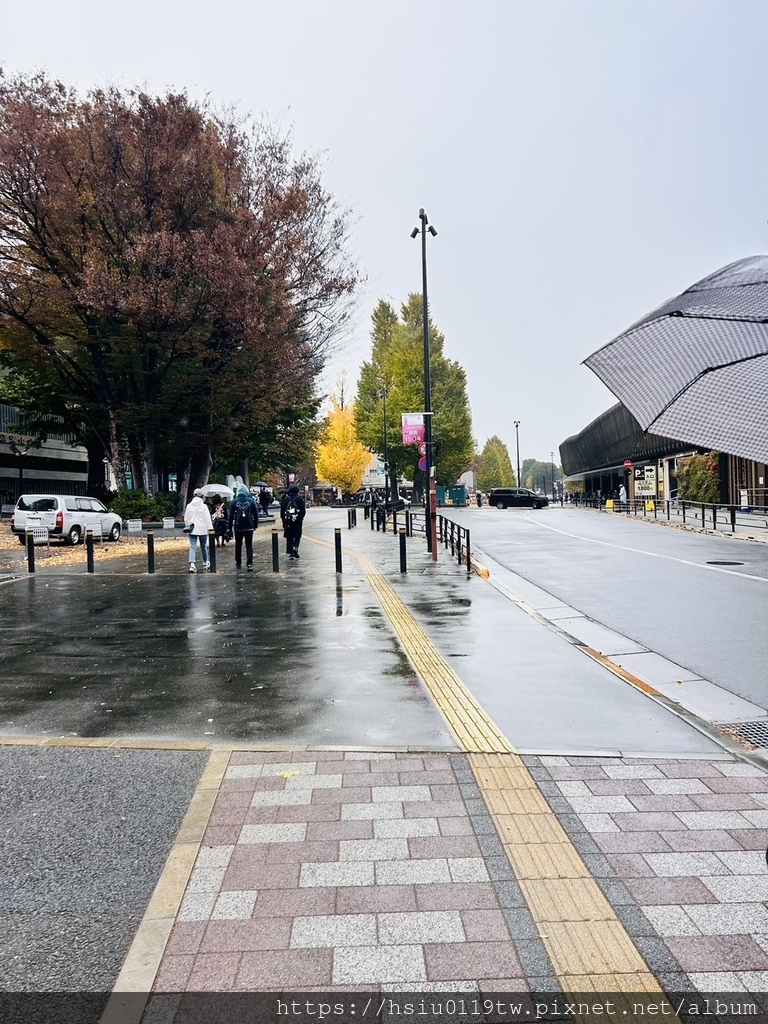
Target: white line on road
column 651, row 554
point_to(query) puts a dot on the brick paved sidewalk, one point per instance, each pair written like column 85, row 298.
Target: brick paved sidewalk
column 343, row 871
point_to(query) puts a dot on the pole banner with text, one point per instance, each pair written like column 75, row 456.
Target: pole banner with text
column 413, row 428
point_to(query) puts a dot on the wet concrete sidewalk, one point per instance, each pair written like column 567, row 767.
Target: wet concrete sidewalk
column 376, row 844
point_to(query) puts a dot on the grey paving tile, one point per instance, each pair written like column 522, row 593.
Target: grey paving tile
column 234, row 906
column 333, row 930
column 664, row 786
column 718, row 981
column 413, row 872
column 757, row 818
column 585, row 844
column 214, row 856
column 372, row 811
column 598, row 823
column 671, row 921
column 600, row 804
column 243, row 771
column 197, row 907
column 351, row 873
column 738, row 888
column 697, row 820
column 406, row 828
column 467, row 869
column 374, row 849
column 424, row 926
column 657, row 954
column 730, row 918
column 743, row 862
column 490, row 845
column 670, row 865
column 615, row 891
column 634, row 920
column 205, row 880
column 533, row 957
column 391, row 794
column 289, row 833
column 574, row 788
column 598, row 866
column 509, row 895
column 499, row 869
column 738, row 769
column 374, row 965
column 520, row 923
column 367, row 755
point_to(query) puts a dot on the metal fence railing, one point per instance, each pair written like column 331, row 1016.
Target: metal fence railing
column 704, row 515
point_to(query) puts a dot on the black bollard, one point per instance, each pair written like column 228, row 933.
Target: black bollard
column 354, row 517
column 403, row 567
column 275, row 552
column 408, row 523
column 89, row 550
column 469, row 555
column 337, row 545
column 349, row 518
column 372, row 516
column 212, row 550
column 30, row 551
column 150, row 551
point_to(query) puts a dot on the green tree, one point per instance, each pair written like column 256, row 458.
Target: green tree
column 495, row 466
column 538, row 475
column 397, row 366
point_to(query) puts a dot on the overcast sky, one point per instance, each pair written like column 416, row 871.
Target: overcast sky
column 582, row 160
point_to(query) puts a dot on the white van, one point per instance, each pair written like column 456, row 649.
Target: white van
column 66, row 516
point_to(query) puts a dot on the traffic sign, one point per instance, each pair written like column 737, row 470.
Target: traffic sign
column 628, row 464
column 423, row 448
column 423, row 465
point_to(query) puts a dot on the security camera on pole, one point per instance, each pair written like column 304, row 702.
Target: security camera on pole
column 430, row 505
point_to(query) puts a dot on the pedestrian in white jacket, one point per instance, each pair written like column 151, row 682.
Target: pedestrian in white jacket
column 197, row 522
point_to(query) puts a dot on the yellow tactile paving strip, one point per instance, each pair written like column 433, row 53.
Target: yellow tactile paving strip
column 589, row 947
column 471, row 726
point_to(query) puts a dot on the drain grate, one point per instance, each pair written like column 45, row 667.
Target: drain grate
column 725, row 563
column 754, row 733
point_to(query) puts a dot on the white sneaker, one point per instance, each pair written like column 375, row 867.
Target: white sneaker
column 192, row 567
column 206, row 566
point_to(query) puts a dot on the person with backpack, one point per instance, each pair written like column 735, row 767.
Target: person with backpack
column 292, row 512
column 243, row 520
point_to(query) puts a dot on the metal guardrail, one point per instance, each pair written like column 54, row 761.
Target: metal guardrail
column 704, row 515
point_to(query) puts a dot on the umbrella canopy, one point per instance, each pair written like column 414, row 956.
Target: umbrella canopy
column 222, row 489
column 260, row 483
column 696, row 368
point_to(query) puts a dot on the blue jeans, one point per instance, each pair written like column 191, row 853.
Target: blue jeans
column 193, row 539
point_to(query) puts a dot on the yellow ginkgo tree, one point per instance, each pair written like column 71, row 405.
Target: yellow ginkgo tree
column 341, row 458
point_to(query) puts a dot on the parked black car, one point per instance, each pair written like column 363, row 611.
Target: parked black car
column 516, row 497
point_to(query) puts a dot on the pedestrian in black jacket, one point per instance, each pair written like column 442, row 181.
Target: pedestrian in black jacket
column 243, row 520
column 292, row 512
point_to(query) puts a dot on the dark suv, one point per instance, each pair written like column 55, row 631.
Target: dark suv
column 516, row 497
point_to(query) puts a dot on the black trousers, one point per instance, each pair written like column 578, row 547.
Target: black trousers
column 241, row 536
column 292, row 538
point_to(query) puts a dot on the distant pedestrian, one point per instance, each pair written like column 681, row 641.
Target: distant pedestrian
column 243, row 520
column 479, row 499
column 219, row 518
column 197, row 523
column 265, row 500
column 292, row 512
column 623, row 494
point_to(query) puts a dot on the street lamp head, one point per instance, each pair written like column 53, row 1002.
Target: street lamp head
column 414, row 232
column 432, row 230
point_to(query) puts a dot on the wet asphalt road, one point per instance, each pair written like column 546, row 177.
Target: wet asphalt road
column 84, row 835
column 650, row 583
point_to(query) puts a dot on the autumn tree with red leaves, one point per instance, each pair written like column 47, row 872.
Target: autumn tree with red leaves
column 171, row 281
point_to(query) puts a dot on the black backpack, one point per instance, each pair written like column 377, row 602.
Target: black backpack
column 243, row 517
column 292, row 512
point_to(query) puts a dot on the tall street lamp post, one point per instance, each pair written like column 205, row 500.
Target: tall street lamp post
column 552, row 460
column 20, row 454
column 517, row 447
column 430, row 506
column 383, row 394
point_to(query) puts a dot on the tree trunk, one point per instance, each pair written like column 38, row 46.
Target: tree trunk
column 183, row 485
column 115, row 453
